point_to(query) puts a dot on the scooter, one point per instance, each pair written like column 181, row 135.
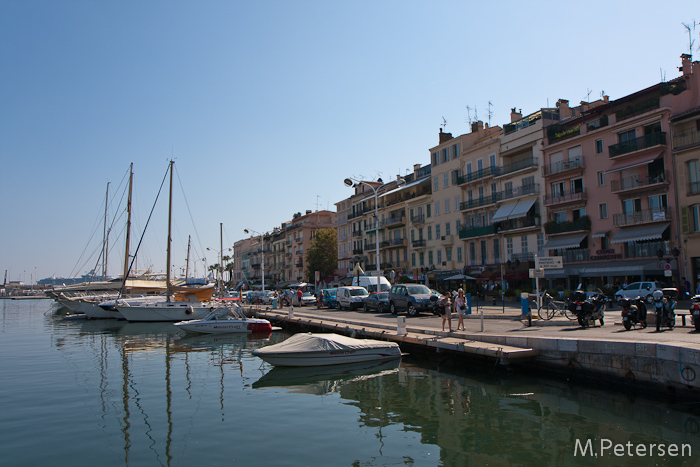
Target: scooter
column 633, row 312
column 695, row 312
column 664, row 301
column 588, row 310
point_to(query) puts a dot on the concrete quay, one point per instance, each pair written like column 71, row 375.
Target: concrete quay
column 639, row 359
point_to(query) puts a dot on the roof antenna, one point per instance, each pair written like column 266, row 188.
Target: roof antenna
column 469, row 115
column 444, row 123
column 489, row 112
column 690, row 41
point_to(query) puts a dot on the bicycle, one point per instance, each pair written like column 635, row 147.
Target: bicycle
column 550, row 307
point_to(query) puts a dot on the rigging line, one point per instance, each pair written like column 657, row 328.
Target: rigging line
column 121, row 291
column 189, row 211
column 92, row 236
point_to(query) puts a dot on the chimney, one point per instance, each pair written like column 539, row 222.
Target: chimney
column 515, row 116
column 308, row 211
column 444, row 136
column 564, row 109
column 686, row 67
column 416, row 168
column 477, row 126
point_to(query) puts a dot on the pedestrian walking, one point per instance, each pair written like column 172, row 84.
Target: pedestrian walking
column 446, row 311
column 460, row 307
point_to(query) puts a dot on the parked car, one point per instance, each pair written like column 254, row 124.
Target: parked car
column 638, row 289
column 412, row 298
column 329, row 299
column 377, row 301
column 307, row 298
column 267, row 297
column 351, row 297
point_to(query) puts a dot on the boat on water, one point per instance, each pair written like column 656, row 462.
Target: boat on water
column 308, row 349
column 225, row 320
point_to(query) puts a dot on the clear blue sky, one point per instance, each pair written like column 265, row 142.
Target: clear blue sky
column 267, row 106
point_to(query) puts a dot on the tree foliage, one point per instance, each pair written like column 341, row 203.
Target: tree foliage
column 322, row 255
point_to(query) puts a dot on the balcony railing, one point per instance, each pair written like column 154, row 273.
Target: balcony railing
column 560, row 132
column 477, row 231
column 573, row 255
column 531, row 189
column 642, row 217
column 637, row 109
column 392, row 221
column 370, row 246
column 520, row 223
column 523, row 257
column 357, row 251
column 644, row 249
column 549, row 199
column 686, row 140
column 418, row 219
column 643, row 142
column 482, row 201
column 559, row 167
column 356, row 233
column 631, row 183
column 394, row 242
column 519, row 165
column 419, row 243
column 582, row 223
column 478, row 175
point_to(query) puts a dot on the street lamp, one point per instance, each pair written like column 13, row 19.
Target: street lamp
column 262, row 253
column 351, row 182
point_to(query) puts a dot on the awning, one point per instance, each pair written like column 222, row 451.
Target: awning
column 503, row 211
column 635, row 161
column 565, row 241
column 642, row 232
column 522, row 208
column 600, row 234
column 459, row 277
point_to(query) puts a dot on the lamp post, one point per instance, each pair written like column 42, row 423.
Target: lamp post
column 262, row 253
column 350, row 183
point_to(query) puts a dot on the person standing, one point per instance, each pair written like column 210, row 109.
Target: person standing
column 446, row 311
column 299, row 294
column 460, row 307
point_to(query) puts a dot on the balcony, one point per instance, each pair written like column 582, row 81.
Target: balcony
column 561, row 167
column 582, row 223
column 523, row 257
column 634, row 183
column 686, row 140
column 477, row 232
column 646, row 249
column 447, row 240
column 478, row 175
column 637, row 109
column 528, row 163
column 370, row 246
column 396, row 221
column 393, row 243
column 642, row 217
column 356, row 233
column 418, row 219
column 518, row 224
column 550, row 200
column 556, row 133
column 357, row 251
column 481, row 201
column 636, row 144
column 523, row 190
column 422, row 243
column 574, row 255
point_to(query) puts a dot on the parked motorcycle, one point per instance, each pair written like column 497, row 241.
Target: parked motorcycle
column 695, row 312
column 588, row 310
column 634, row 311
column 664, row 302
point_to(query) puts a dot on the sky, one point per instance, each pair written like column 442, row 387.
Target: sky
column 266, row 107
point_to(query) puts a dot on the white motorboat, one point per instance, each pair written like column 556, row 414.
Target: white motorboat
column 309, row 349
column 225, row 320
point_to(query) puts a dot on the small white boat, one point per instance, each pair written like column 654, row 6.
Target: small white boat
column 225, row 320
column 309, row 349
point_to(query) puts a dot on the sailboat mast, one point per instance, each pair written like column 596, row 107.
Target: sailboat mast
column 105, row 238
column 170, row 222
column 221, row 259
column 187, row 264
column 128, row 223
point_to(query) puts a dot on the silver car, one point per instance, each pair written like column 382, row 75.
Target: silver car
column 638, row 289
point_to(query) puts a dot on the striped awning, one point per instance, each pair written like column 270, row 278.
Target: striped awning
column 565, row 241
column 641, row 232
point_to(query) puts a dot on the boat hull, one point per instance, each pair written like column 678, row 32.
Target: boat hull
column 330, row 357
column 161, row 312
column 225, row 327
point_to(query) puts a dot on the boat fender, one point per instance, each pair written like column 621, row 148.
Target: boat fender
column 189, row 310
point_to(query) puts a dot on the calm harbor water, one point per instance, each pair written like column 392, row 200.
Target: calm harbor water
column 111, row 393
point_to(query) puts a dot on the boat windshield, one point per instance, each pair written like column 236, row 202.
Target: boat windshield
column 222, row 314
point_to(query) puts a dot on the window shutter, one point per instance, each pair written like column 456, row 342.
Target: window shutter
column 685, row 227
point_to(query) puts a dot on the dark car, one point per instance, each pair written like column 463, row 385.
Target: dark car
column 377, row 301
column 413, row 298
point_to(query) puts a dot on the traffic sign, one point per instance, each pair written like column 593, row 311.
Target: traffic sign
column 537, row 273
column 549, row 262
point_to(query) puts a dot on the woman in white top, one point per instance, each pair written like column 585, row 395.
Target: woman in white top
column 460, row 306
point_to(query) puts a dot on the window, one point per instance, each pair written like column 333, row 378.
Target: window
column 627, row 136
column 445, row 180
column 601, row 178
column 560, row 217
column 427, row 210
column 523, row 244
column 694, row 212
column 603, row 210
column 448, row 254
column 540, row 244
column 630, row 206
column 481, row 194
column 472, row 253
column 577, row 185
column 484, row 253
column 444, row 155
column 480, row 165
column 578, row 213
column 658, row 203
column 509, row 247
column 456, row 202
column 470, row 196
column 436, row 184
column 558, row 189
column 413, row 235
column 447, row 205
column 447, row 228
column 421, row 258
column 455, row 151
column 420, row 233
column 437, row 208
column 508, row 189
column 439, row 256
column 430, row 232
column 459, row 254
column 458, row 225
column 492, row 160
column 496, row 251
column 430, row 257
column 598, row 146
column 437, row 231
column 693, row 177
column 469, row 168
column 413, row 260
column 434, row 161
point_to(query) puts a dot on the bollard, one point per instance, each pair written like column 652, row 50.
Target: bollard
column 525, row 307
column 291, row 312
column 401, row 326
column 274, row 303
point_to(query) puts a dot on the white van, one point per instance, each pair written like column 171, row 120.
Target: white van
column 370, row 283
column 351, row 297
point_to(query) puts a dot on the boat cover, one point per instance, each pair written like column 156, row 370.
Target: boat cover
column 308, row 342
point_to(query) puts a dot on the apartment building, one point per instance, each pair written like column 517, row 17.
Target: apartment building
column 611, row 202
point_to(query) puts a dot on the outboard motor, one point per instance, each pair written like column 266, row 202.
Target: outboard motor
column 633, row 312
